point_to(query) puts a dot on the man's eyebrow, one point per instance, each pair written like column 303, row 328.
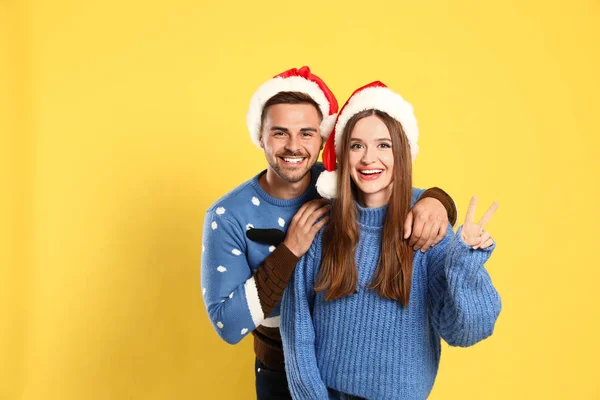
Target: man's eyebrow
column 281, row 128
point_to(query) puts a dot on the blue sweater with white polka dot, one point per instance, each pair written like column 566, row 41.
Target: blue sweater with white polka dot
column 367, row 346
column 230, row 259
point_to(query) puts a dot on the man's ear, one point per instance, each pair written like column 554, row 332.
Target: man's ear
column 262, row 146
column 322, row 142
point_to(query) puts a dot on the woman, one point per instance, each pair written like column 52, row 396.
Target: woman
column 364, row 314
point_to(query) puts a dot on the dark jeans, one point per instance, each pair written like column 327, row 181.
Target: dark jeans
column 270, row 384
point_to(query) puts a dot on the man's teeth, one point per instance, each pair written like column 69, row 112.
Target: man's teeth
column 371, row 171
column 293, row 160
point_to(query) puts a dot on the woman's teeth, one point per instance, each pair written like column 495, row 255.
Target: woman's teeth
column 371, row 171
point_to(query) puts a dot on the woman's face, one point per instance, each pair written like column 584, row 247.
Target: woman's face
column 371, row 161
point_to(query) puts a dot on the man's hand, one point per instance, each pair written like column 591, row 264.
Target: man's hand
column 426, row 224
column 303, row 228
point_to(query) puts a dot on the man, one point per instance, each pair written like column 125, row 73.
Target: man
column 254, row 235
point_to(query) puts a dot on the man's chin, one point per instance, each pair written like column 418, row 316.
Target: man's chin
column 292, row 178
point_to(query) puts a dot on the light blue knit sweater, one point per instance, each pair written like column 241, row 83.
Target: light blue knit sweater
column 368, row 346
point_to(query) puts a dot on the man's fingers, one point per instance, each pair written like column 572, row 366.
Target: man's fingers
column 417, row 230
column 488, row 215
column 433, row 235
column 298, row 216
column 442, row 234
column 312, row 206
column 408, row 224
column 470, row 217
column 424, row 234
column 317, row 227
column 317, row 214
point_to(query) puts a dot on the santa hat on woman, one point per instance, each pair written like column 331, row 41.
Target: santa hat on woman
column 293, row 80
column 375, row 96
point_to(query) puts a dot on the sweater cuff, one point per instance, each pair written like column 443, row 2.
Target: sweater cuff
column 465, row 262
column 283, row 257
column 446, row 201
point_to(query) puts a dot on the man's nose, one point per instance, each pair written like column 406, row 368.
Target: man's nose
column 292, row 143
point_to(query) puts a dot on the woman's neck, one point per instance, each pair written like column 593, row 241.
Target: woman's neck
column 374, row 200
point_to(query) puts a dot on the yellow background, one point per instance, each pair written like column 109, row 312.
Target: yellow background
column 122, row 121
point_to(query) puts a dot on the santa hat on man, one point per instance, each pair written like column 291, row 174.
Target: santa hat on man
column 293, row 80
column 375, row 96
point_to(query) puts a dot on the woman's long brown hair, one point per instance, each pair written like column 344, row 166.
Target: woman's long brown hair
column 339, row 275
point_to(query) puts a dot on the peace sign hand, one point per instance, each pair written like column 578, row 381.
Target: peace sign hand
column 473, row 233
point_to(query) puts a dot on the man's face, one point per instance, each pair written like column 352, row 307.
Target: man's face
column 291, row 139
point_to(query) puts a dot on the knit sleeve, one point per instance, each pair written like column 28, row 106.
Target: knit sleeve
column 273, row 275
column 297, row 331
column 228, row 287
column 463, row 302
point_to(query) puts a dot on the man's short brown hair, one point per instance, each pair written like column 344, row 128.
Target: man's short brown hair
column 289, row 98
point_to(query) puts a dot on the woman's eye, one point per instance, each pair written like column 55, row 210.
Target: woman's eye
column 385, row 145
column 355, row 146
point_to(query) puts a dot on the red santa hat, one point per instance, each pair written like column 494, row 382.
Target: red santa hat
column 374, row 96
column 293, row 80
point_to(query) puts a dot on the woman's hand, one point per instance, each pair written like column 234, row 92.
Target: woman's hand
column 473, row 233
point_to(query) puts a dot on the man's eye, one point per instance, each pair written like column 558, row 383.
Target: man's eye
column 307, row 134
column 278, row 133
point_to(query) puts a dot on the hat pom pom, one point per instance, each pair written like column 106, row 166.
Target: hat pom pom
column 327, row 125
column 327, row 184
